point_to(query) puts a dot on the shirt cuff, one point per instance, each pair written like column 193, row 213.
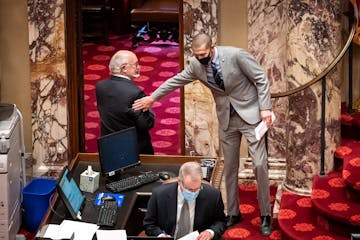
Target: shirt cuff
column 211, row 232
column 162, row 234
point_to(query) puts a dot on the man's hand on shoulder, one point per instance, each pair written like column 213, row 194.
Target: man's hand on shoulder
column 144, row 103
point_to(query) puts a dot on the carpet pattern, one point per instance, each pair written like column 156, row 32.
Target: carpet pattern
column 297, row 220
column 248, row 228
column 158, row 62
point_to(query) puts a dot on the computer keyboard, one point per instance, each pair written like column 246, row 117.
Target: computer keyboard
column 108, row 214
column 132, row 182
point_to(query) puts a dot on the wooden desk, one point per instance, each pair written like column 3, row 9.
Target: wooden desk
column 132, row 197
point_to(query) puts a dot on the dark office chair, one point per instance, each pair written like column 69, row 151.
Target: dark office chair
column 96, row 19
column 154, row 20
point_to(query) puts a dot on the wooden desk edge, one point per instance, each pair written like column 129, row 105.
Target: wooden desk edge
column 159, row 159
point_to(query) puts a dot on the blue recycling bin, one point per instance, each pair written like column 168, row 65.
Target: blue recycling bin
column 36, row 197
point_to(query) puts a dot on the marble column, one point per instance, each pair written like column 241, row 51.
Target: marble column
column 48, row 84
column 315, row 32
column 298, row 40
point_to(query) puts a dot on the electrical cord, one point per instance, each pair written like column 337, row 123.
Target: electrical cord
column 52, row 207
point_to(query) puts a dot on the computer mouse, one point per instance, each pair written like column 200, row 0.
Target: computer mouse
column 108, row 198
column 164, row 175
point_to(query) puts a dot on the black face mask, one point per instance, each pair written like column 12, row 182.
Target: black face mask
column 205, row 60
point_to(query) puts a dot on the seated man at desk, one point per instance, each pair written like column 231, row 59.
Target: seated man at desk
column 178, row 208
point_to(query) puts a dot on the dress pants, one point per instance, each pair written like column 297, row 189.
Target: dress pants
column 230, row 141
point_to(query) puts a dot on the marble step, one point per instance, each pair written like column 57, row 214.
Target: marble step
column 277, row 169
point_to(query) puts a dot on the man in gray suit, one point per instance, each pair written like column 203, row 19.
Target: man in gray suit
column 241, row 92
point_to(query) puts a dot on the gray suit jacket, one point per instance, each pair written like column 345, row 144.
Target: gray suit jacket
column 246, row 85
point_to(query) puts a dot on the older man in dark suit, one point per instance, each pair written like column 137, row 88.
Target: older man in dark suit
column 115, row 97
column 241, row 92
column 165, row 214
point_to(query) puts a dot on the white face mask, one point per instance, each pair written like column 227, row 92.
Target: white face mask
column 136, row 75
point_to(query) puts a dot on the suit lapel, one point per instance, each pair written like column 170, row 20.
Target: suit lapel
column 200, row 201
column 172, row 201
column 224, row 63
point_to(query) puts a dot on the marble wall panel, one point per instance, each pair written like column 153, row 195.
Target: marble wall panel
column 201, row 126
column 48, row 84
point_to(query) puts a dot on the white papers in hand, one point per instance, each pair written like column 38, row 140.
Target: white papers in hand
column 261, row 129
column 190, row 236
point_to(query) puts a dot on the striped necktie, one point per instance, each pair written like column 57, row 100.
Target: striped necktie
column 217, row 76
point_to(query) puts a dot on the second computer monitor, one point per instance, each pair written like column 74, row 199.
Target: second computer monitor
column 118, row 151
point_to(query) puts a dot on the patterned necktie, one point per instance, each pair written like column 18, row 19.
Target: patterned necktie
column 184, row 221
column 217, row 76
column 219, row 81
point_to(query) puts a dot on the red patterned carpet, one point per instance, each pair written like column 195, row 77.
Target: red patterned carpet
column 248, row 228
column 158, row 62
column 332, row 212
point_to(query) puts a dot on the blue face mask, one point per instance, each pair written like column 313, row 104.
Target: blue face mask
column 190, row 196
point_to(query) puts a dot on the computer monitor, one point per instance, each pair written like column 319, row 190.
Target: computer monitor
column 118, row 151
column 70, row 193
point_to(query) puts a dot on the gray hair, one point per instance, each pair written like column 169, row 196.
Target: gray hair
column 190, row 168
column 118, row 60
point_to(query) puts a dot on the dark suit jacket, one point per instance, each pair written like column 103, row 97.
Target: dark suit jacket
column 115, row 97
column 162, row 208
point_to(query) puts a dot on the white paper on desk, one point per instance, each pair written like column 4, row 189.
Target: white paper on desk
column 111, row 234
column 82, row 230
column 53, row 232
column 261, row 129
column 190, row 236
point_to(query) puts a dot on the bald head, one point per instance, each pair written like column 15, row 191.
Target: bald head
column 124, row 62
column 120, row 59
column 200, row 40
